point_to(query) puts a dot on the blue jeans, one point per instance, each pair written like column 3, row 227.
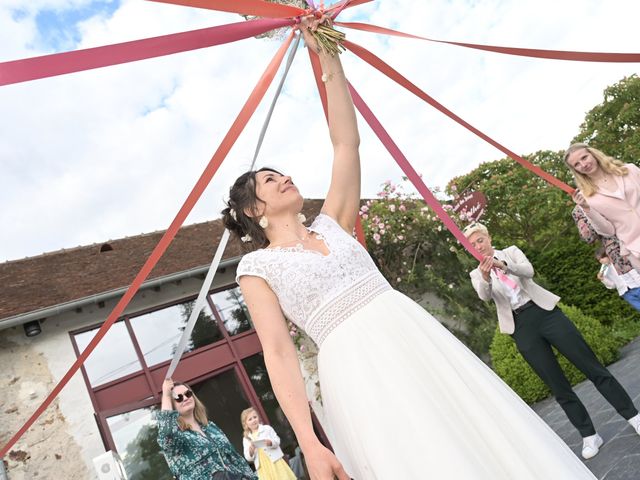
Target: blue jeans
column 633, row 297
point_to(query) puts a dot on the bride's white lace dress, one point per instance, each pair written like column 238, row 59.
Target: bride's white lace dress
column 403, row 398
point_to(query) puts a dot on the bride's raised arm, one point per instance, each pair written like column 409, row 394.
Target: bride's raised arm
column 342, row 201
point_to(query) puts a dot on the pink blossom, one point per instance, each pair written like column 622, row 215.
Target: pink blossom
column 403, row 208
column 365, row 216
column 364, row 208
column 392, row 208
column 376, row 237
column 448, row 208
column 400, row 237
column 454, row 188
column 381, row 225
column 302, row 349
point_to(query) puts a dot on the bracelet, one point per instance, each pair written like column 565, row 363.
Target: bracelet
column 326, row 77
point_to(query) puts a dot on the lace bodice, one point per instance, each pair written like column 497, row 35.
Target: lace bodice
column 318, row 292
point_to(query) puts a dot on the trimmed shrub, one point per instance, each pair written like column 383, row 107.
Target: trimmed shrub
column 516, row 372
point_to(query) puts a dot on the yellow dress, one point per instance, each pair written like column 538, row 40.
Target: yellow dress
column 268, row 470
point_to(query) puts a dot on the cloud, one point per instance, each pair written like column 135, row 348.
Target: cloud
column 114, row 152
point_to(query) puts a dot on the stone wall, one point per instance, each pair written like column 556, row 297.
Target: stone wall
column 47, row 450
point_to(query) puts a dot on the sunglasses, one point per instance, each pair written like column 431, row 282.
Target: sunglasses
column 180, row 397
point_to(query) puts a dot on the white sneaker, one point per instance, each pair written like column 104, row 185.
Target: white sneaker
column 635, row 423
column 591, row 446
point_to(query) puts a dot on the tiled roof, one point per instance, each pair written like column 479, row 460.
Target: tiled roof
column 59, row 277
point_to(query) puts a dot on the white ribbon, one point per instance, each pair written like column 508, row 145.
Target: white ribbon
column 208, row 281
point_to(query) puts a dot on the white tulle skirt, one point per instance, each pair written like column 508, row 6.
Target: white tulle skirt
column 404, row 399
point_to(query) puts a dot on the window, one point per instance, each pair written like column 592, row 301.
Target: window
column 233, row 312
column 159, row 332
column 225, row 369
column 113, row 358
column 135, row 434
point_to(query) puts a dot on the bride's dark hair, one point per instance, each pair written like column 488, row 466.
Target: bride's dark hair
column 243, row 199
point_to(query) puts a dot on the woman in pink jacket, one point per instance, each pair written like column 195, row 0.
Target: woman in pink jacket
column 609, row 193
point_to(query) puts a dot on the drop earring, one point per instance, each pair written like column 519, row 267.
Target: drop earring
column 302, row 218
column 264, row 223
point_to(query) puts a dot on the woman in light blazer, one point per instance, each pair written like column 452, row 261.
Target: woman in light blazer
column 528, row 313
column 261, row 445
column 609, row 193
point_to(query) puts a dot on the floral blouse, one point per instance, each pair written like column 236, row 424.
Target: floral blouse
column 192, row 456
column 611, row 244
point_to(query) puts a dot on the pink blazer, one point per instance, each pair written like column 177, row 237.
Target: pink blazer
column 618, row 213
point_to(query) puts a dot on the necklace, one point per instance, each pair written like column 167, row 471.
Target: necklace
column 298, row 239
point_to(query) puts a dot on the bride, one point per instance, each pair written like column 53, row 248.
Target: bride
column 403, row 398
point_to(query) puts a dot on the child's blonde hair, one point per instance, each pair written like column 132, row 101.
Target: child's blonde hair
column 243, row 420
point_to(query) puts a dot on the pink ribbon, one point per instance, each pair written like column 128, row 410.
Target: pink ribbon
column 508, row 281
column 27, row 69
column 410, row 172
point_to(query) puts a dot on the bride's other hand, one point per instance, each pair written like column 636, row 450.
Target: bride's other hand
column 323, row 465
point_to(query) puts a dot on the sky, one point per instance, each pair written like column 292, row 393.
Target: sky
column 114, row 152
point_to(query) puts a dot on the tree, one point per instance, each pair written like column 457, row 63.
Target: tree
column 614, row 125
column 144, row 459
column 417, row 254
column 526, row 211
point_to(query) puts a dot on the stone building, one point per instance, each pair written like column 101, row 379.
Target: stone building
column 51, row 307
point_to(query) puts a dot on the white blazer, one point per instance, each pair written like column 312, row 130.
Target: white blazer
column 265, row 432
column 521, row 271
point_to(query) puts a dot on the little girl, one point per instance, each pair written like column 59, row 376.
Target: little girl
column 262, row 446
column 627, row 284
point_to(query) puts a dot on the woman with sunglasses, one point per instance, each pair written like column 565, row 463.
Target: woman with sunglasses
column 194, row 447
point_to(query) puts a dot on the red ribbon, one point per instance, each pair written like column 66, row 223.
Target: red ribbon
column 410, row 172
column 212, row 167
column 17, row 71
column 377, row 63
column 521, row 52
column 242, row 7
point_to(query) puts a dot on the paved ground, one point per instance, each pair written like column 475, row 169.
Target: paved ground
column 619, row 457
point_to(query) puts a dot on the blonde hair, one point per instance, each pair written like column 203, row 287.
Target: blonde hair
column 475, row 228
column 199, row 411
column 243, row 420
column 607, row 163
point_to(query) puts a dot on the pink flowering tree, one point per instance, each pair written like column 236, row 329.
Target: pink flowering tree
column 417, row 254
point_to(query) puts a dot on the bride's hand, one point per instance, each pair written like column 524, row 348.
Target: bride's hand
column 308, row 24
column 323, row 465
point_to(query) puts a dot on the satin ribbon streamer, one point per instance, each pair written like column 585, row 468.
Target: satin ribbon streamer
column 394, row 75
column 508, row 281
column 222, row 245
column 27, row 69
column 521, row 52
column 242, row 7
column 212, row 167
column 410, row 172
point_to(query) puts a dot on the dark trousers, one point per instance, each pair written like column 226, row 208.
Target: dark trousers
column 536, row 330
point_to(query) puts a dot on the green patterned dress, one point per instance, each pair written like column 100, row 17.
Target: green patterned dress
column 192, row 456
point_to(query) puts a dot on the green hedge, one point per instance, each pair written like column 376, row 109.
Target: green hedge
column 512, row 368
column 568, row 268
